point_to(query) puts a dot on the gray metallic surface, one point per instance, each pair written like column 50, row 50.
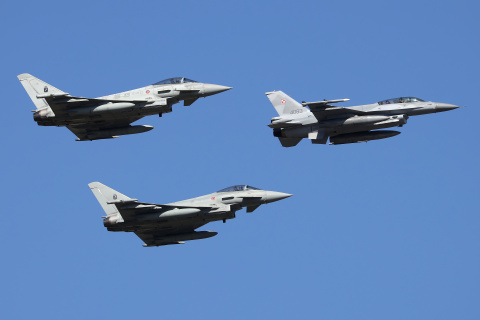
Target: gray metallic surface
column 362, row 136
column 110, row 116
column 322, row 120
column 172, row 223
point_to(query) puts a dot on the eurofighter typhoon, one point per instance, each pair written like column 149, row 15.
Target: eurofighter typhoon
column 173, row 223
column 111, row 116
column 344, row 125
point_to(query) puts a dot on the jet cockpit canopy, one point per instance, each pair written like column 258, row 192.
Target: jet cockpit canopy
column 239, row 187
column 400, row 100
column 176, row 80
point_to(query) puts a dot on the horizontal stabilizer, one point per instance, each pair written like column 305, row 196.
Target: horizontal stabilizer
column 283, row 123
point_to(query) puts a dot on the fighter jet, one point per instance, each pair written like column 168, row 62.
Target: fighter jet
column 344, row 125
column 110, row 116
column 173, row 223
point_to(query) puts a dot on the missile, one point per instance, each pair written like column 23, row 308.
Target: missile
column 362, row 136
column 113, row 133
column 398, row 120
column 281, row 123
column 179, row 212
column 168, row 214
column 323, row 102
column 104, row 108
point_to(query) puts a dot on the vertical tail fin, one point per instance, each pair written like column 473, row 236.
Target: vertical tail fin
column 104, row 195
column 34, row 87
column 283, row 103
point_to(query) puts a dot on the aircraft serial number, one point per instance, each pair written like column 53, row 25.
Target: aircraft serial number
column 296, row 111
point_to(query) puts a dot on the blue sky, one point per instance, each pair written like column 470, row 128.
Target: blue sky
column 385, row 229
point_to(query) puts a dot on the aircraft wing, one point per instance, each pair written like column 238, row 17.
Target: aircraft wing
column 129, row 209
column 162, row 237
column 103, row 128
column 62, row 103
column 322, row 113
column 323, row 110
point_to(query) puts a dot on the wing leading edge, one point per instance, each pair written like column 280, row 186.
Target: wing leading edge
column 323, row 110
column 121, row 209
column 155, row 238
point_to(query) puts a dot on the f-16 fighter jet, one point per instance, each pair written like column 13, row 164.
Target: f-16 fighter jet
column 110, row 116
column 173, row 223
column 344, row 125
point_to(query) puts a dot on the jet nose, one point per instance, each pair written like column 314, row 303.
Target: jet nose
column 440, row 107
column 272, row 196
column 211, row 89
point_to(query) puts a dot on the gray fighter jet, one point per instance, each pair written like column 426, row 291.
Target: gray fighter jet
column 344, row 125
column 110, row 116
column 173, row 223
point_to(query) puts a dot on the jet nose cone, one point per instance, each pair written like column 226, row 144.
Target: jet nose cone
column 440, row 107
column 272, row 196
column 211, row 89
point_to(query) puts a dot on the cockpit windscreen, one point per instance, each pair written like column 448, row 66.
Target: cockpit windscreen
column 176, row 80
column 400, row 100
column 240, row 187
